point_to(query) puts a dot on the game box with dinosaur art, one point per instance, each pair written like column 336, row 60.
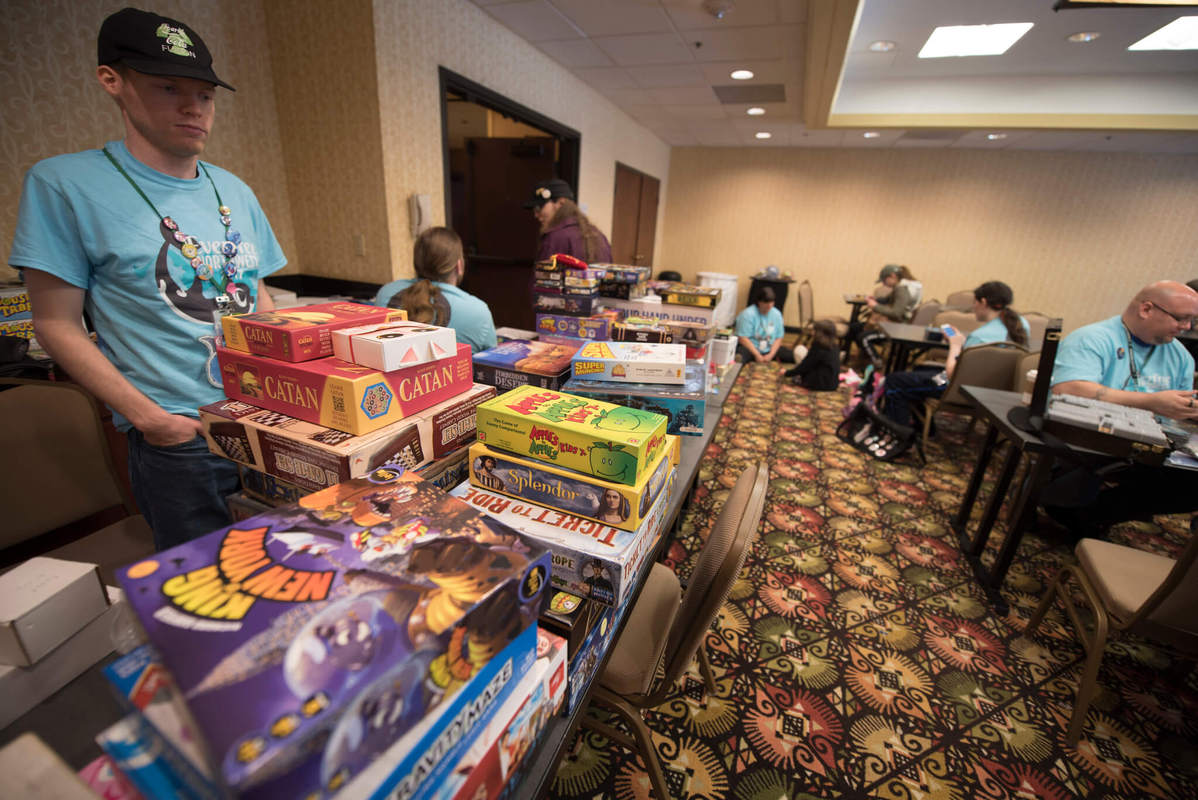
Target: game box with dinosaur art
column 308, row 639
column 616, row 504
column 611, row 442
column 300, row 334
column 684, row 405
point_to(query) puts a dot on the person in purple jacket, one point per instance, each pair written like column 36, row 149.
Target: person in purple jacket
column 564, row 228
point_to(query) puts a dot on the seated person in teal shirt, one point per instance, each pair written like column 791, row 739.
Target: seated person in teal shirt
column 992, row 307
column 759, row 331
column 433, row 295
column 1133, row 359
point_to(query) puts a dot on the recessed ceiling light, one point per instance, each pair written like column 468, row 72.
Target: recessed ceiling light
column 763, row 134
column 741, row 74
column 871, row 134
column 1180, row 34
column 1083, row 36
column 755, row 111
column 882, row 46
column 973, row 40
column 994, row 137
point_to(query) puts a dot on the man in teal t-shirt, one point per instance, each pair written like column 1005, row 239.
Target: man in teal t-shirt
column 759, row 331
column 156, row 246
column 1133, row 359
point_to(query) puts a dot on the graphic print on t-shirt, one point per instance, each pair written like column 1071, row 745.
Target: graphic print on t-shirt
column 184, row 290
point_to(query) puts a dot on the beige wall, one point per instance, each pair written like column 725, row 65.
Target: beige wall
column 413, row 38
column 1074, row 234
column 52, row 104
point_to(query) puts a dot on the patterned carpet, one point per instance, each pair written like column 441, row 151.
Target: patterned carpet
column 856, row 656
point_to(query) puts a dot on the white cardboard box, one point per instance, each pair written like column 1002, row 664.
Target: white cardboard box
column 388, row 346
column 42, row 603
column 32, row 770
column 22, row 688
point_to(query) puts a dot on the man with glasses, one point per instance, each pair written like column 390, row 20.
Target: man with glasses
column 1133, row 359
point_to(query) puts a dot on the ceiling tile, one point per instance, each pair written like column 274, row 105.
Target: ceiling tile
column 694, row 112
column 816, row 138
column 689, row 15
column 603, row 78
column 648, row 114
column 685, row 97
column 615, row 17
column 576, row 53
column 856, row 138
column 651, row 48
column 629, row 97
column 778, row 41
column 775, row 71
column 535, row 21
column 668, row 76
column 792, row 12
column 717, row 135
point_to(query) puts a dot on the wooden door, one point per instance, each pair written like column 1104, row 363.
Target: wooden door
column 634, row 217
column 500, row 238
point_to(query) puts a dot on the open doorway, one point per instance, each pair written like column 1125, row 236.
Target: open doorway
column 495, row 152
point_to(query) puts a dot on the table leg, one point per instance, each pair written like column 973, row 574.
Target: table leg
column 1021, row 518
column 986, row 524
column 961, row 521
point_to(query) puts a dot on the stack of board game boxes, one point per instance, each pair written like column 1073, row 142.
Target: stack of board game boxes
column 377, row 638
column 16, row 316
column 589, row 480
column 321, row 394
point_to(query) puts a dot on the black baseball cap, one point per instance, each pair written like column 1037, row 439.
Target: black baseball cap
column 155, row 45
column 549, row 190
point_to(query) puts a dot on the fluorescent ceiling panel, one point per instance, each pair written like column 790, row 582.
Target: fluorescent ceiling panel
column 1180, row 34
column 973, row 40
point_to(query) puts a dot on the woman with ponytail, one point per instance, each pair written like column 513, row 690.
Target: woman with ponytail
column 564, row 228
column 433, row 296
column 992, row 307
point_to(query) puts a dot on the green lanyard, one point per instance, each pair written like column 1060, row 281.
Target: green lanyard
column 190, row 245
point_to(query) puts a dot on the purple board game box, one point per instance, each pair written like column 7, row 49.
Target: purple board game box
column 380, row 596
column 524, row 363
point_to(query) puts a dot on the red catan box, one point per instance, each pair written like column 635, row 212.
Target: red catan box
column 341, row 395
column 300, row 334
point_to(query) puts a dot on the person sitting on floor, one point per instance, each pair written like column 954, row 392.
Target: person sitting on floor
column 819, row 369
column 759, row 331
column 1133, row 359
column 991, row 306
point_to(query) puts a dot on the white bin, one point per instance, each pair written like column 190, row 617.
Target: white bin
column 725, row 312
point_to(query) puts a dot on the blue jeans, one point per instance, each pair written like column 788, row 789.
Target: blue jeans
column 181, row 489
column 907, row 389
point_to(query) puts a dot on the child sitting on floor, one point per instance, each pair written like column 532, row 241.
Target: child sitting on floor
column 819, row 368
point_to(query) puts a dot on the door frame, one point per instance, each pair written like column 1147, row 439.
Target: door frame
column 569, row 140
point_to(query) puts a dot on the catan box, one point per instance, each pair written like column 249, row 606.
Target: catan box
column 302, row 333
column 602, row 439
column 341, row 395
column 306, row 640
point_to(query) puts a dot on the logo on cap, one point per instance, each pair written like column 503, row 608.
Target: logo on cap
column 177, row 41
column 543, row 192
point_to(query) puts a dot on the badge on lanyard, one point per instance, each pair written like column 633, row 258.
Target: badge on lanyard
column 224, row 308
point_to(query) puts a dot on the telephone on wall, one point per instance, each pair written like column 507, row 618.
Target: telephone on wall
column 420, row 214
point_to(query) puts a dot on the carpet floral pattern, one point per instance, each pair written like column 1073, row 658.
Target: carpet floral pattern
column 857, row 657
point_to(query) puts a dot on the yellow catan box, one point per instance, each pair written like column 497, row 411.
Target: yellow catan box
column 608, row 441
column 615, row 504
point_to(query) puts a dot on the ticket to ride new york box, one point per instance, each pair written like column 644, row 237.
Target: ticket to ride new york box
column 313, row 456
column 590, row 559
column 341, row 395
column 611, row 442
column 685, row 406
column 326, row 629
column 615, row 504
column 300, row 334
column 633, row 362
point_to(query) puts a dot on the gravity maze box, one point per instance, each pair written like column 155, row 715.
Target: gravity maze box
column 309, row 638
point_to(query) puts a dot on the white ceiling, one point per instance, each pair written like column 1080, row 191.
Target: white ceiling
column 659, row 59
